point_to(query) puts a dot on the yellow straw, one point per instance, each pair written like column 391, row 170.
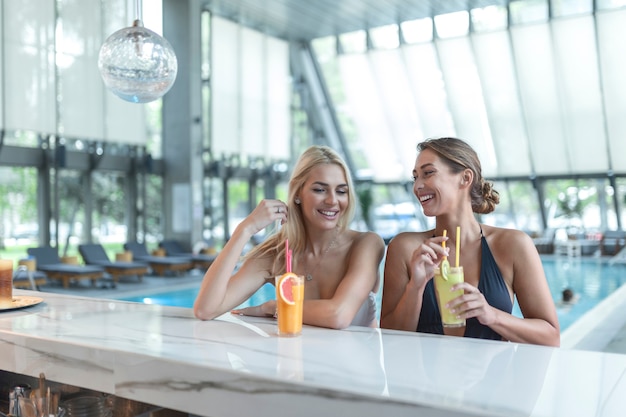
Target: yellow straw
column 443, row 244
column 458, row 244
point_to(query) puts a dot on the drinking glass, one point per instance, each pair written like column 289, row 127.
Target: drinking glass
column 443, row 282
column 289, row 300
column 6, row 283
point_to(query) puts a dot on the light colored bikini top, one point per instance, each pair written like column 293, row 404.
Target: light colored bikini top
column 367, row 313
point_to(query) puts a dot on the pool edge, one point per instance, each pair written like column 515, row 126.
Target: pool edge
column 599, row 326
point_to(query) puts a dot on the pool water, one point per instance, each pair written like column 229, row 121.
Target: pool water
column 186, row 297
column 592, row 280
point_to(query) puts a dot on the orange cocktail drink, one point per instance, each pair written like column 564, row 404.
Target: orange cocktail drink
column 289, row 300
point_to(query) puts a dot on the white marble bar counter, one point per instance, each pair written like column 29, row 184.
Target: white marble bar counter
column 239, row 367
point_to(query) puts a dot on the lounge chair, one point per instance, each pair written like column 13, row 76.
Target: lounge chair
column 94, row 254
column 619, row 258
column 49, row 263
column 159, row 264
column 612, row 242
column 545, row 244
column 30, row 280
column 174, row 248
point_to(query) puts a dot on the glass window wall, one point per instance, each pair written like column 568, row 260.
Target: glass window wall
column 518, row 207
column 19, row 227
column 108, row 194
column 530, row 86
column 535, row 87
column 68, row 225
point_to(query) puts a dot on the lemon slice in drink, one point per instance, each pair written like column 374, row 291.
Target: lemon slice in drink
column 445, row 265
column 284, row 288
column 445, row 268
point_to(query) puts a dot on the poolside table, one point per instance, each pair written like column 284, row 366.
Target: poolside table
column 235, row 366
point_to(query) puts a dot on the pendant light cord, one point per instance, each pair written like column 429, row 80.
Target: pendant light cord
column 138, row 12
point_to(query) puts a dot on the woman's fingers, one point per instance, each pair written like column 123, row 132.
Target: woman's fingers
column 267, row 212
column 431, row 252
column 471, row 304
column 277, row 210
column 275, row 206
column 266, row 309
column 249, row 311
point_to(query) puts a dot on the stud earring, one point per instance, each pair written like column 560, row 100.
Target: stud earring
column 297, row 200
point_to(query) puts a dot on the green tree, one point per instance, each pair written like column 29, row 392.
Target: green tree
column 18, row 201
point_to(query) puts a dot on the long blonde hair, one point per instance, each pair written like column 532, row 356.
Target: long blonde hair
column 294, row 229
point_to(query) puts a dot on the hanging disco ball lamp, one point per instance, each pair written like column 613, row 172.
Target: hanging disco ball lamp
column 137, row 64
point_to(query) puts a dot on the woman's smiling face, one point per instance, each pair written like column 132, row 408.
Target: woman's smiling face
column 324, row 196
column 433, row 182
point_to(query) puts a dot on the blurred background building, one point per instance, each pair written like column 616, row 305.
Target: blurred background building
column 535, row 86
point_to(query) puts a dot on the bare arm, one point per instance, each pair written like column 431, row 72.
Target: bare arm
column 361, row 276
column 408, row 267
column 221, row 290
column 540, row 324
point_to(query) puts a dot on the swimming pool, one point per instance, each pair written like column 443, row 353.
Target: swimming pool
column 592, row 280
column 186, row 296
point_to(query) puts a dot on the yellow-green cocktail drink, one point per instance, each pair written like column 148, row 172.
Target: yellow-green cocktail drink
column 443, row 283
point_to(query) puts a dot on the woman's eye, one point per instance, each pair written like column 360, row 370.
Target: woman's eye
column 318, row 190
column 342, row 191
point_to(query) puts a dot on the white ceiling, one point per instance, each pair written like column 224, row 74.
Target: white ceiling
column 303, row 20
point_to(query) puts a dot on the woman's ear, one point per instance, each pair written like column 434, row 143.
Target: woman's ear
column 467, row 177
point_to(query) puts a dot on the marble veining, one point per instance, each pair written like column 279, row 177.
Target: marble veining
column 235, row 366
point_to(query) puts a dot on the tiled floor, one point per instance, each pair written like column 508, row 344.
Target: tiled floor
column 618, row 344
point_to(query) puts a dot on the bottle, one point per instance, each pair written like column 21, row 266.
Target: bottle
column 20, row 390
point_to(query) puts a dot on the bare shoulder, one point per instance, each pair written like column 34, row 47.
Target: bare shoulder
column 504, row 236
column 413, row 237
column 506, row 243
column 408, row 241
column 365, row 247
column 366, row 238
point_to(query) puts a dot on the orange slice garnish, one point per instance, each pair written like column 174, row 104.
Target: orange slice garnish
column 284, row 288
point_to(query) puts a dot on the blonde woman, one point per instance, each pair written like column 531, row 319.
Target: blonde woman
column 340, row 264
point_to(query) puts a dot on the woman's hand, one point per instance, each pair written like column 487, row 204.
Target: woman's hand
column 472, row 304
column 265, row 213
column 267, row 309
column 425, row 259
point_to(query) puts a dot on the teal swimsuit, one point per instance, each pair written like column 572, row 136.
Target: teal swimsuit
column 491, row 285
